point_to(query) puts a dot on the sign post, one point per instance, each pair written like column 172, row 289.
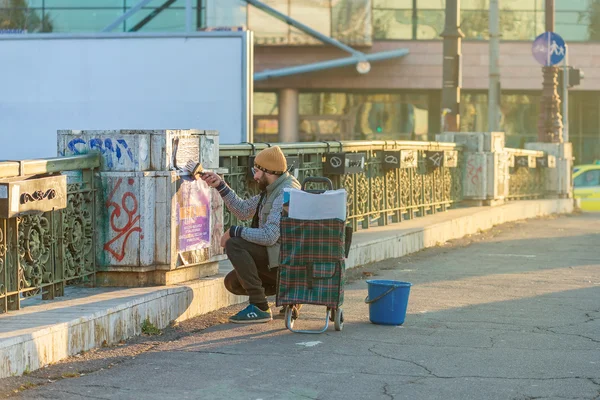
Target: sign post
column 549, row 49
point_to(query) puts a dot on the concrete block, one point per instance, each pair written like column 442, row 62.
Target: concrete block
column 143, row 150
column 475, row 176
column 486, row 176
column 558, row 150
column 156, row 221
column 475, row 141
column 121, row 150
column 558, row 181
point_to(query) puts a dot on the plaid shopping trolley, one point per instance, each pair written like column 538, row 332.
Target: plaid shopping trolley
column 312, row 267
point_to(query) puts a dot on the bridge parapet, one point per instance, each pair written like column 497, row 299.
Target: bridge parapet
column 46, row 240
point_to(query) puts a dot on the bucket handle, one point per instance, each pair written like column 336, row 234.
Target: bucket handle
column 380, row 296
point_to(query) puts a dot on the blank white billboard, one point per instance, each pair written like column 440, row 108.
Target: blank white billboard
column 122, row 81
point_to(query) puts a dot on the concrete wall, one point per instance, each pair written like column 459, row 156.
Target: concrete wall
column 422, row 67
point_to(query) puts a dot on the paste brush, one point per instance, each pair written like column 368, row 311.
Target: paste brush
column 194, row 168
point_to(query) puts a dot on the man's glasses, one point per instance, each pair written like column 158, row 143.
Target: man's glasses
column 253, row 170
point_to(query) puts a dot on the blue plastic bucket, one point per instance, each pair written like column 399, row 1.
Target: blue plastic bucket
column 388, row 301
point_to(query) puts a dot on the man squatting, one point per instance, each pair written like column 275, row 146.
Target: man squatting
column 254, row 251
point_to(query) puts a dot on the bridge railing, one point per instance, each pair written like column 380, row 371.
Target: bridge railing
column 41, row 252
column 378, row 195
column 526, row 182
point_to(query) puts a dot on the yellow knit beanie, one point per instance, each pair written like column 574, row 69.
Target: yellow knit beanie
column 271, row 160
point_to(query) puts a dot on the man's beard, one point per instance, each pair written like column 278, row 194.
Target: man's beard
column 262, row 183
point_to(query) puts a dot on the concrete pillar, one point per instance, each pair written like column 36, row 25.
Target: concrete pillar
column 452, row 74
column 559, row 180
column 154, row 226
column 486, row 174
column 288, row 116
column 550, row 121
column 494, row 84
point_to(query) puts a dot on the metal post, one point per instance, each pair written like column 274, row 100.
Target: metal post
column 565, row 95
column 288, row 116
column 415, row 19
column 126, row 15
column 452, row 74
column 549, row 121
column 494, row 83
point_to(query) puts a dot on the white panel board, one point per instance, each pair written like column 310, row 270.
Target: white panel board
column 122, row 81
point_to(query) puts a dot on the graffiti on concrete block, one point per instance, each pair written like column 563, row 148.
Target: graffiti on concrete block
column 107, row 147
column 474, row 172
column 122, row 226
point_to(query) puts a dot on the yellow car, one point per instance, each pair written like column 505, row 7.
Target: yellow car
column 586, row 186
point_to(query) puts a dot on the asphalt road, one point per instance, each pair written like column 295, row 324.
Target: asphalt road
column 513, row 313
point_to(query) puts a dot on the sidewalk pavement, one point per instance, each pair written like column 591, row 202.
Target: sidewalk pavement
column 46, row 332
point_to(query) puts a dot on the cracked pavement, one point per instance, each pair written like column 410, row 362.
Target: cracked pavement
column 512, row 313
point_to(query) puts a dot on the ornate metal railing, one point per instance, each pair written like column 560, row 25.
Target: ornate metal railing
column 41, row 252
column 526, row 179
column 377, row 196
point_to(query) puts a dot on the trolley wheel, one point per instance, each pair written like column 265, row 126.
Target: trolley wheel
column 289, row 317
column 339, row 319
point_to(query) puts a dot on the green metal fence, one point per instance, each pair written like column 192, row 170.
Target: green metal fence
column 41, row 252
column 524, row 182
column 377, row 196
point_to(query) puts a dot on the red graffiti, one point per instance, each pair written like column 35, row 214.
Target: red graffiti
column 130, row 225
column 473, row 172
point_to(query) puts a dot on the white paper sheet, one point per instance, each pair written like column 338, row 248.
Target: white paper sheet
column 310, row 206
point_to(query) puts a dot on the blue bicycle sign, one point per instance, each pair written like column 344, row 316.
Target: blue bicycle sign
column 549, row 49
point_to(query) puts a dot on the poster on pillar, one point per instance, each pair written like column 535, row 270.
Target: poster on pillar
column 193, row 220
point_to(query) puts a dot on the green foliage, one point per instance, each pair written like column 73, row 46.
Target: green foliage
column 148, row 328
column 16, row 14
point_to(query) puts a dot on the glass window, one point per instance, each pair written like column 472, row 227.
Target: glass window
column 398, row 24
column 475, row 24
column 223, row 13
column 81, row 20
column 364, row 115
column 314, row 129
column 475, row 5
column 265, row 103
column 473, row 112
column 521, row 25
column 23, row 19
column 78, row 3
column 524, row 5
column 266, row 129
column 588, row 178
column 351, row 22
column 391, row 4
column 391, row 116
column 519, row 113
column 572, row 25
column 316, row 14
column 268, row 29
column 323, row 103
column 169, row 20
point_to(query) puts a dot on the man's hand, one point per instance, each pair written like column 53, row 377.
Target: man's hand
column 211, row 179
column 225, row 238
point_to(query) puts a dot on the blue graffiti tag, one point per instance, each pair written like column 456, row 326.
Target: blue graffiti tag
column 105, row 147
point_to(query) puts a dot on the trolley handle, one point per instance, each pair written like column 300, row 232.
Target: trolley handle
column 317, row 179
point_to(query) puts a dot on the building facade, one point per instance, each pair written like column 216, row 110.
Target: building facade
column 399, row 98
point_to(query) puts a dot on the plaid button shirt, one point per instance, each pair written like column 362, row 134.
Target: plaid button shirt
column 268, row 231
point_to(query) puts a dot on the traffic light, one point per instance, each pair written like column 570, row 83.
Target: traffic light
column 575, row 76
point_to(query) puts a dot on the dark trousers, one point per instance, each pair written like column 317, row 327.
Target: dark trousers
column 251, row 275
